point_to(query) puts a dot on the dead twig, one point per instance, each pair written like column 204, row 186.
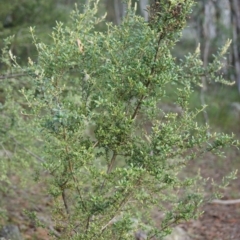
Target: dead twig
column 226, row 202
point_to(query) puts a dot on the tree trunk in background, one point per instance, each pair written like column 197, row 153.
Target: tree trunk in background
column 235, row 18
column 110, row 11
column 116, row 10
column 143, row 4
column 217, row 20
column 206, row 27
column 223, row 29
column 207, row 33
column 120, row 10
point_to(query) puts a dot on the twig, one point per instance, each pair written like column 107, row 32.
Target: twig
column 65, row 201
column 124, row 201
column 163, row 228
column 121, row 205
column 109, row 168
column 109, row 223
column 148, row 82
column 111, row 162
column 88, row 223
column 95, row 144
column 72, row 174
column 16, row 75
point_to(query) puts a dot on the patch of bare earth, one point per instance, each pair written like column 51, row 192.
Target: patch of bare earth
column 220, row 220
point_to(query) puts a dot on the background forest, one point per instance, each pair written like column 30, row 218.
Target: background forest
column 210, row 25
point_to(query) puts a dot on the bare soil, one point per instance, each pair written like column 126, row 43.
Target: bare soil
column 218, row 221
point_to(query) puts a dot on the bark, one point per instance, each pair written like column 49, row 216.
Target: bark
column 223, row 28
column 110, row 11
column 142, row 5
column 235, row 18
column 116, row 10
column 206, row 32
column 120, row 9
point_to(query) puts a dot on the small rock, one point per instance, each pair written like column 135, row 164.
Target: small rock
column 140, row 235
column 178, row 234
column 10, row 232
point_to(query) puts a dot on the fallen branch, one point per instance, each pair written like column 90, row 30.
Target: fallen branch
column 226, row 202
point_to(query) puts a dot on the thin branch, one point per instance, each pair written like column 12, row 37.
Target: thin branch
column 27, row 150
column 109, row 223
column 95, row 144
column 16, row 75
column 161, row 35
column 125, row 200
column 109, row 168
column 167, row 226
column 73, row 177
column 121, row 205
column 88, row 223
column 65, row 201
column 111, row 162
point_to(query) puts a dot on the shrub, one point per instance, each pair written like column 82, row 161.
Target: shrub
column 112, row 155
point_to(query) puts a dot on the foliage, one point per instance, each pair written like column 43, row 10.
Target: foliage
column 17, row 16
column 112, row 155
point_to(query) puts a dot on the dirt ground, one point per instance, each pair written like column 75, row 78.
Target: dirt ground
column 218, row 222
